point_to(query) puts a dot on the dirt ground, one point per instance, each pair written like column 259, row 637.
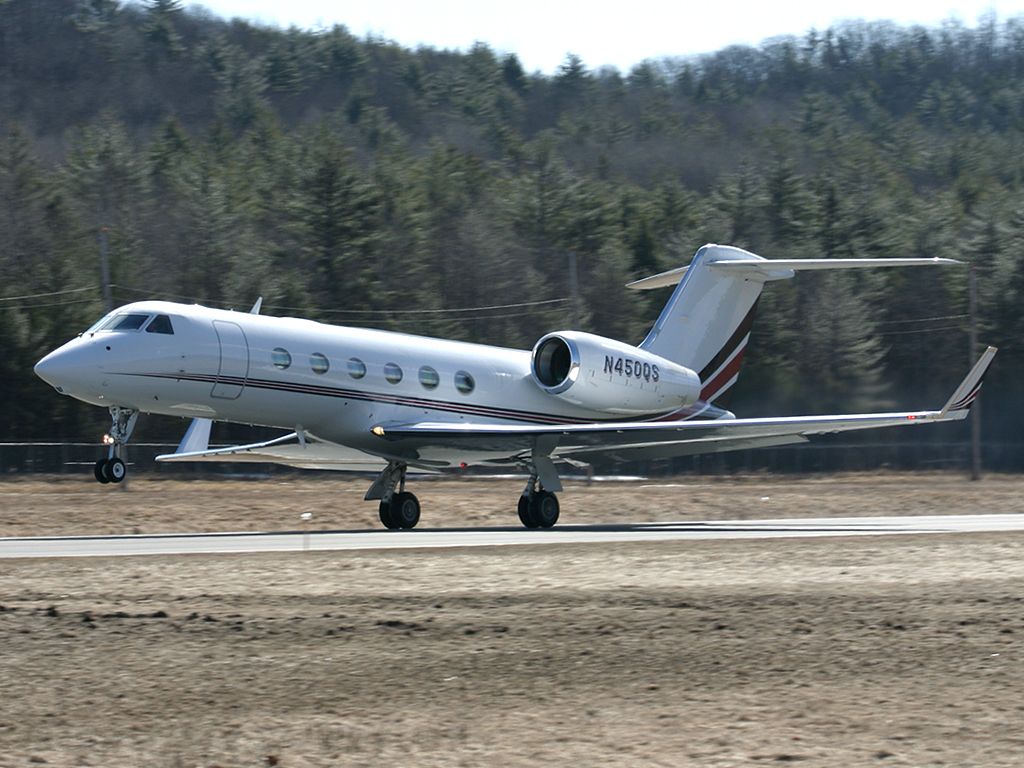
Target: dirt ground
column 76, row 504
column 833, row 652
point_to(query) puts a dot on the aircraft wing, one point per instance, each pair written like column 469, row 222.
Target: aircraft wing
column 293, row 450
column 645, row 439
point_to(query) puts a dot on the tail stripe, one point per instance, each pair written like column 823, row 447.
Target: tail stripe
column 725, row 376
column 739, row 336
column 723, row 370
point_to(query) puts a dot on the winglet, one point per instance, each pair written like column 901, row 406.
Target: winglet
column 969, row 388
column 257, row 306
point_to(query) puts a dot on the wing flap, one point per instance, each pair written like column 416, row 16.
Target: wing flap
column 570, row 439
column 288, row 450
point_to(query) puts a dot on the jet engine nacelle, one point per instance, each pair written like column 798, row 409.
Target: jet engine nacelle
column 606, row 375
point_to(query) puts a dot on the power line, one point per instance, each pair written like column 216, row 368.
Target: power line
column 43, row 295
column 387, row 312
column 49, row 304
column 922, row 331
column 363, row 322
column 372, row 315
column 923, row 319
column 152, row 293
column 367, row 312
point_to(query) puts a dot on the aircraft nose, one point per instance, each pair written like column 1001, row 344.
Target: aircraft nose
column 50, row 368
column 59, row 369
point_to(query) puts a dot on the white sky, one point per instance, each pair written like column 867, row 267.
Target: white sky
column 542, row 32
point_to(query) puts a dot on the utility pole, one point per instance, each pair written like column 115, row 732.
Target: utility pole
column 574, row 290
column 972, row 352
column 108, row 299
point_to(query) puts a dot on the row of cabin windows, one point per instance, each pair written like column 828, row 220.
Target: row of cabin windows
column 429, row 377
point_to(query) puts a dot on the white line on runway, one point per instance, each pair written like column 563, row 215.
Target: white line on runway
column 294, row 541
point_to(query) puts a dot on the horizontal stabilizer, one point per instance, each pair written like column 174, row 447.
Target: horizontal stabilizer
column 780, row 269
column 660, row 280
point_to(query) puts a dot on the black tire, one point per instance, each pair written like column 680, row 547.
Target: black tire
column 544, row 509
column 115, row 470
column 387, row 518
column 405, row 509
column 525, row 514
column 99, row 469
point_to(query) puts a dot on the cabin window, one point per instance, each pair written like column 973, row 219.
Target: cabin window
column 281, row 358
column 161, row 324
column 356, row 368
column 319, row 363
column 464, row 382
column 429, row 378
column 392, row 373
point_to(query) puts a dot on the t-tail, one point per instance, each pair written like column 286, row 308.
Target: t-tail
column 706, row 323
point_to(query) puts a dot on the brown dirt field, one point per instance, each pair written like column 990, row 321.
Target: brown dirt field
column 64, row 505
column 832, row 652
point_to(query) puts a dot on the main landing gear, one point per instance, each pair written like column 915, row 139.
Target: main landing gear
column 537, row 508
column 398, row 508
column 112, row 469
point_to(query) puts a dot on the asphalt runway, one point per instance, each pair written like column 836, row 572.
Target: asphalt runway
column 378, row 539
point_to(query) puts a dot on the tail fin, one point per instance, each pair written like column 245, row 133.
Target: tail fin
column 706, row 323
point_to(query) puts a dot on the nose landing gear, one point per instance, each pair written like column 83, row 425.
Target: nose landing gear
column 112, row 469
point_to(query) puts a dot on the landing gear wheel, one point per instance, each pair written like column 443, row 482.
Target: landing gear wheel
column 405, row 509
column 115, row 470
column 525, row 515
column 544, row 509
column 112, row 469
column 389, row 521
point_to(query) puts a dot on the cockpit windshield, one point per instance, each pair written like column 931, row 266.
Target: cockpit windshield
column 161, row 324
column 120, row 321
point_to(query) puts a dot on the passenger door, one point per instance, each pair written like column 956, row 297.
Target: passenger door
column 234, row 361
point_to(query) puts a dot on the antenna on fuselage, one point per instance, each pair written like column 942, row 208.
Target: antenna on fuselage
column 256, row 307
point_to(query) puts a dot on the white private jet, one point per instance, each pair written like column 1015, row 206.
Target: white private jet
column 357, row 399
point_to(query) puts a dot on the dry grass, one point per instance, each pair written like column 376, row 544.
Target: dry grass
column 78, row 505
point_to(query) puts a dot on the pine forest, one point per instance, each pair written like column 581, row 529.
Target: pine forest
column 354, row 181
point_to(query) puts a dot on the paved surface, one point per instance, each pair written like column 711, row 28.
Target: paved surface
column 287, row 541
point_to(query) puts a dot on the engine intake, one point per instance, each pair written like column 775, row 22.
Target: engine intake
column 556, row 363
column 605, row 375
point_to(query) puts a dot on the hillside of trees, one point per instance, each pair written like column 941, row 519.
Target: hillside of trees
column 355, row 181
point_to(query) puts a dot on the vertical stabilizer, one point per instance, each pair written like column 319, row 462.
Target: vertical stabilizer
column 706, row 323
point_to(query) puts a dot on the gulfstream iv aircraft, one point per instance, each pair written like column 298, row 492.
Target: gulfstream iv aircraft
column 361, row 399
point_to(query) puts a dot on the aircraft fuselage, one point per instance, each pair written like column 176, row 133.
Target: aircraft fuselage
column 337, row 382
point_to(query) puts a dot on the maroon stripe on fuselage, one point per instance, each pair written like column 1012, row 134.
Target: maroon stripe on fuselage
column 358, row 395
